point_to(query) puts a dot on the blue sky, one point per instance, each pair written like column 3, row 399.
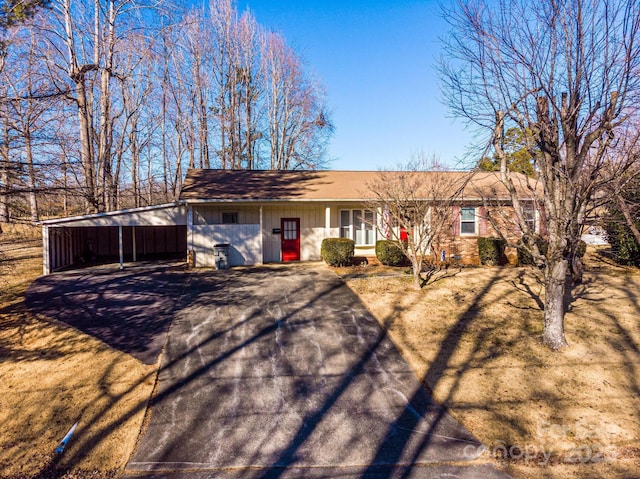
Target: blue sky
column 376, row 60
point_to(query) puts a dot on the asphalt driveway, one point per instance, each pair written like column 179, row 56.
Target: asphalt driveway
column 281, row 372
column 267, row 372
column 129, row 310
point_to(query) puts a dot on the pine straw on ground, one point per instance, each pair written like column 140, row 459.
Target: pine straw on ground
column 473, row 337
column 52, row 376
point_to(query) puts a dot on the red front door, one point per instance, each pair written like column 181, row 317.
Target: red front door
column 290, row 238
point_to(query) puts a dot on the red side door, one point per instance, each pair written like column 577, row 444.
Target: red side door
column 290, row 239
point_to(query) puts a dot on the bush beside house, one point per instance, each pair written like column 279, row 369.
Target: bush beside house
column 337, row 251
column 389, row 253
column 525, row 258
column 624, row 246
column 491, row 251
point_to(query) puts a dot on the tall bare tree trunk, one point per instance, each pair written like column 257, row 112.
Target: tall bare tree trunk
column 135, row 161
column 4, row 166
column 77, row 74
column 163, row 143
column 555, row 275
column 203, row 120
column 65, row 187
column 86, row 152
column 31, row 173
column 105, row 134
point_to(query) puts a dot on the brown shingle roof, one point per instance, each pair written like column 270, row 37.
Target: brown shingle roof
column 271, row 185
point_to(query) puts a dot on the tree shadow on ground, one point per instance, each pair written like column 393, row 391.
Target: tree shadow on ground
column 128, row 310
column 107, row 309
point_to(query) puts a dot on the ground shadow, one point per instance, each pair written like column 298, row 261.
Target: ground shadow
column 129, row 310
column 357, row 358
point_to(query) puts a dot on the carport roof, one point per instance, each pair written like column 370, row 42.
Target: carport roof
column 169, row 214
column 210, row 185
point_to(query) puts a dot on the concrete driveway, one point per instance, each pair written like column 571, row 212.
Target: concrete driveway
column 282, row 372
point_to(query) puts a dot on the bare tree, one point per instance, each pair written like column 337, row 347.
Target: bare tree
column 24, row 118
column 413, row 205
column 297, row 120
column 568, row 72
column 133, row 98
column 12, row 13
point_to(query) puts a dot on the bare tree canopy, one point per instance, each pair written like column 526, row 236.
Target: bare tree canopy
column 414, row 209
column 567, row 71
column 105, row 104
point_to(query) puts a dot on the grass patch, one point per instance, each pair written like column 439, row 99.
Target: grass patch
column 473, row 337
column 52, row 376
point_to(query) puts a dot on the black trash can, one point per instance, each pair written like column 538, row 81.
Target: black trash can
column 221, row 255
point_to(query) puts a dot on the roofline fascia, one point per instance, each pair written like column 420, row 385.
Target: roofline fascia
column 334, row 200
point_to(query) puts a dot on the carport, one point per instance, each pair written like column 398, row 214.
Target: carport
column 132, row 234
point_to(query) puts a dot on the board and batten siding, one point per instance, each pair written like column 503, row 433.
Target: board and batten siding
column 244, row 241
column 244, row 237
column 212, row 214
column 250, row 245
column 312, row 229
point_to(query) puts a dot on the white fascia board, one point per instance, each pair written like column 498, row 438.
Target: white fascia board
column 282, row 200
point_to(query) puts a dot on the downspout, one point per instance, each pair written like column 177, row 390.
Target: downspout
column 261, row 238
column 133, row 236
column 120, row 247
column 191, row 258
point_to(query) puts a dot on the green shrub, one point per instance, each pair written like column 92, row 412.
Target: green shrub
column 337, row 251
column 491, row 251
column 389, row 253
column 525, row 258
column 624, row 246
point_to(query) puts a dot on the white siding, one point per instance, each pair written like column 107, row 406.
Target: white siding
column 250, row 245
column 244, row 241
column 212, row 214
column 312, row 229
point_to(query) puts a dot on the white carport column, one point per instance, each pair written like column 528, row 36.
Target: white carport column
column 46, row 260
column 327, row 221
column 261, row 238
column 120, row 247
column 190, row 227
column 192, row 261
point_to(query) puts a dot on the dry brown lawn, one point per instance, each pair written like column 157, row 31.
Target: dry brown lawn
column 473, row 337
column 52, row 376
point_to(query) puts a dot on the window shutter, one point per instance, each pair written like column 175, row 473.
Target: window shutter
column 482, row 221
column 455, row 221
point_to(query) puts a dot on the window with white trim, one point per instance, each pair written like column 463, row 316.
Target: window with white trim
column 229, row 218
column 468, row 221
column 358, row 225
column 530, row 217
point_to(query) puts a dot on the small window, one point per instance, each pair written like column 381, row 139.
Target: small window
column 530, row 217
column 229, row 218
column 468, row 221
